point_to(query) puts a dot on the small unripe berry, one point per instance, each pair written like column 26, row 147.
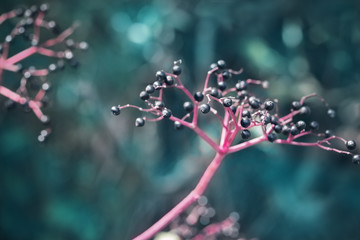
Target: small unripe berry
column 356, row 159
column 139, row 122
column 166, row 113
column 278, row 128
column 227, row 102
column 245, row 122
column 331, row 113
column 294, row 130
column 188, row 106
column 221, row 64
column 245, row 134
column 314, row 125
column 144, row 95
column 222, row 85
column 269, row 105
column 246, row 113
column 178, row 125
column 205, row 108
column 241, row 85
column 296, row 105
column 199, row 96
column 271, row 137
column 115, row 110
column 160, row 76
column 149, row 89
column 351, row 144
column 176, row 70
column 328, row 133
column 169, row 80
column 301, row 125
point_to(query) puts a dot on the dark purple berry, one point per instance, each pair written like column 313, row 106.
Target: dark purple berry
column 243, row 94
column 274, row 120
column 144, row 95
column 222, row 85
column 296, row 105
column 266, row 119
column 254, row 102
column 166, row 113
column 178, row 125
column 214, row 92
column 351, row 144
column 188, row 106
column 285, row 130
column 160, row 76
column 246, row 113
column 205, row 108
column 233, row 109
column 314, row 125
column 271, row 137
column 139, row 122
column 245, row 134
column 169, row 80
column 199, row 96
column 176, row 70
column 226, row 75
column 221, row 64
column 115, row 110
column 227, row 102
column 356, row 159
column 331, row 113
column 159, row 104
column 328, row 133
column 149, row 89
column 269, row 105
column 241, row 85
column 278, row 128
column 305, row 110
column 301, row 125
column 294, row 130
column 245, row 122
column 157, row 85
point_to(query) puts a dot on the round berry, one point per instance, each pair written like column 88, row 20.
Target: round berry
column 269, row 105
column 166, row 113
column 266, row 119
column 314, row 125
column 160, row 76
column 278, row 128
column 285, row 130
column 271, row 137
column 254, row 102
column 301, row 125
column 169, row 80
column 294, row 130
column 214, row 92
column 199, row 96
column 144, row 95
column 243, row 94
column 331, row 113
column 226, row 75
column 305, row 110
column 205, row 108
column 188, row 106
column 245, row 134
column 222, row 85
column 296, row 105
column 351, row 144
column 221, row 64
column 149, row 89
column 159, row 104
column 246, row 113
column 227, row 102
column 115, row 110
column 328, row 133
column 233, row 109
column 245, row 122
column 213, row 65
column 274, row 120
column 157, row 85
column 356, row 159
column 139, row 122
column 178, row 125
column 241, row 85
column 176, row 70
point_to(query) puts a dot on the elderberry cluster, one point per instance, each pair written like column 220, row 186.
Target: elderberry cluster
column 28, row 33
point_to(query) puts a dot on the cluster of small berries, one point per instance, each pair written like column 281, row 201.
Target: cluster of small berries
column 198, row 224
column 244, row 109
column 31, row 93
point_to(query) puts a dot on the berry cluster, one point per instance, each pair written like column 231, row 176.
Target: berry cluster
column 246, row 119
column 198, row 224
column 28, row 31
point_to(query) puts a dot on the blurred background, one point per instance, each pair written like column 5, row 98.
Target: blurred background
column 99, row 177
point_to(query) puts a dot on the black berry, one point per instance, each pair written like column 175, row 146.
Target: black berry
column 222, row 85
column 331, row 113
column 351, row 144
column 144, row 95
column 214, row 92
column 205, row 108
column 139, row 122
column 245, row 134
column 221, row 64
column 227, row 102
column 188, row 106
column 301, row 125
column 294, row 130
column 115, row 110
column 305, row 110
column 271, row 137
column 149, row 89
column 286, row 130
column 328, row 133
column 233, row 108
column 176, row 70
column 245, row 122
column 356, row 159
column 278, row 128
column 296, row 105
column 226, row 75
column 254, row 102
column 160, row 76
column 169, row 80
column 178, row 125
column 157, row 85
column 199, row 96
column 269, row 105
column 314, row 125
column 166, row 113
column 159, row 104
column 241, row 85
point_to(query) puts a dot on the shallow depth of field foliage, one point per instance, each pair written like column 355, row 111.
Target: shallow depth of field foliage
column 99, row 177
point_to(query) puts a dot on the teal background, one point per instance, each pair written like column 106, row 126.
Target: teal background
column 99, row 177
